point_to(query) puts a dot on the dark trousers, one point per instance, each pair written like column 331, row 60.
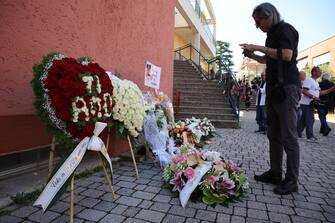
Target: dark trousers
column 282, row 133
column 261, row 117
column 306, row 120
column 323, row 111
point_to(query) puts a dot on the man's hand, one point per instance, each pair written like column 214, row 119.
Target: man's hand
column 247, row 53
column 249, row 47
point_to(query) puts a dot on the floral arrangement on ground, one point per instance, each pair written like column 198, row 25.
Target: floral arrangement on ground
column 71, row 95
column 220, row 183
column 195, row 131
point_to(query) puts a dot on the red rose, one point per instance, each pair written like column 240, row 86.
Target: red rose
column 79, row 104
column 82, row 117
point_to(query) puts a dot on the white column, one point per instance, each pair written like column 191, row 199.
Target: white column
column 196, row 44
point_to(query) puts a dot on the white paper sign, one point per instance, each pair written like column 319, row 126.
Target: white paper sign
column 152, row 75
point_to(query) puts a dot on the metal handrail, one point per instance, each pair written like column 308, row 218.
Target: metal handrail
column 226, row 78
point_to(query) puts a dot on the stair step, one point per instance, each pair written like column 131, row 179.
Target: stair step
column 210, row 116
column 204, row 109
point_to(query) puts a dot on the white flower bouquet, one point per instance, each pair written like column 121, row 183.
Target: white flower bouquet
column 129, row 108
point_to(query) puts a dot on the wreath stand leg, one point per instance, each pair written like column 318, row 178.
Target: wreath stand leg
column 72, row 200
column 149, row 154
column 51, row 156
column 107, row 178
column 133, row 156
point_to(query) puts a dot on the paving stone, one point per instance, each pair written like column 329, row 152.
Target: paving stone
column 96, row 178
column 330, row 216
column 258, row 214
column 109, row 197
column 89, row 202
column 299, row 219
column 125, row 191
column 152, row 216
column 221, row 209
column 131, row 212
column 197, row 205
column 307, row 205
column 83, row 183
column 92, row 193
column 287, row 202
column 175, row 201
column 10, row 219
column 237, row 219
column 127, row 178
column 143, row 195
column 105, row 188
column 145, row 204
column 162, row 207
column 129, row 201
column 66, row 218
column 134, row 220
column 105, row 206
column 173, row 219
column 162, row 198
column 60, row 207
column 185, row 212
column 276, row 217
column 316, row 200
column 119, row 209
column 266, row 199
column 91, row 215
column 280, row 209
column 77, row 198
column 24, row 211
column 240, row 211
column 140, row 187
column 115, row 218
column 206, row 215
column 309, row 214
column 152, row 189
column 142, row 181
column 126, row 184
column 223, row 218
column 77, row 209
column 94, row 186
column 43, row 217
column 156, row 183
column 77, row 190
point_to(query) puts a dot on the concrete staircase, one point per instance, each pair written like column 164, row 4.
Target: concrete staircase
column 200, row 98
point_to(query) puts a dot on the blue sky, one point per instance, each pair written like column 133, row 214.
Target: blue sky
column 314, row 20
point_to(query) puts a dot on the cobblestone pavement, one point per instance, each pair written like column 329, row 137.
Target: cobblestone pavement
column 145, row 200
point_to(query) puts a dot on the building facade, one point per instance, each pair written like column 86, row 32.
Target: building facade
column 195, row 23
column 322, row 53
column 250, row 69
column 120, row 35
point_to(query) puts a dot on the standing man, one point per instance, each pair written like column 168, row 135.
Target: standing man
column 310, row 92
column 327, row 102
column 283, row 93
column 260, row 106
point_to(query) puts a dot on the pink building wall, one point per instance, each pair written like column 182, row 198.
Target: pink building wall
column 120, row 34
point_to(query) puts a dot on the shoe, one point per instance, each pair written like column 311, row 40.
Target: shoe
column 257, row 131
column 312, row 139
column 268, row 177
column 326, row 132
column 286, row 187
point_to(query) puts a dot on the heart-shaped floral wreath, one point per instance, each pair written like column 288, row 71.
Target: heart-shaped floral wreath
column 71, row 95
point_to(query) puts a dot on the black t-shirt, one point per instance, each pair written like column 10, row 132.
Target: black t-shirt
column 284, row 36
column 327, row 99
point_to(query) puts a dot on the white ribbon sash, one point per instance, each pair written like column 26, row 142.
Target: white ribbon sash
column 68, row 167
column 191, row 184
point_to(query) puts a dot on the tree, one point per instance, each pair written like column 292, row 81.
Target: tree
column 225, row 54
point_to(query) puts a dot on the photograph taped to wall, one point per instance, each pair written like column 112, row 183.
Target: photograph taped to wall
column 152, row 75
